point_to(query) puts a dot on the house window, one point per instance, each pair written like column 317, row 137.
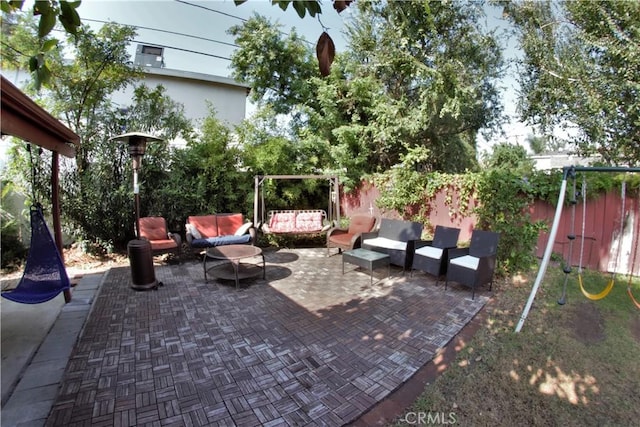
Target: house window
column 152, row 50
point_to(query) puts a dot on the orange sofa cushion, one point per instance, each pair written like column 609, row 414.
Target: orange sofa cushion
column 229, row 223
column 207, row 225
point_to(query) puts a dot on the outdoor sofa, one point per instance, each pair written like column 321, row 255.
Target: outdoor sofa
column 396, row 238
column 207, row 231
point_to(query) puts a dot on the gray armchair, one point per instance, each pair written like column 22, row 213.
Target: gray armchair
column 432, row 256
column 474, row 266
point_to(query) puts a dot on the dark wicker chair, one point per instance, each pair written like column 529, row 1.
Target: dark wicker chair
column 432, row 256
column 350, row 237
column 154, row 229
column 474, row 266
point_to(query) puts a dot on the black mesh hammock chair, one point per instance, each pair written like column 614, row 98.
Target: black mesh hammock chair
column 44, row 275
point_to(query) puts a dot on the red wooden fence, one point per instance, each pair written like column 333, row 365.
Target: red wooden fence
column 603, row 240
column 606, row 246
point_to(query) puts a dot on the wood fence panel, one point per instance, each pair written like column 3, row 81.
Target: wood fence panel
column 605, row 247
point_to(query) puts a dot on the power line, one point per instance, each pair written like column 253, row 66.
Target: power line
column 166, row 31
column 183, row 50
column 212, row 10
column 236, row 17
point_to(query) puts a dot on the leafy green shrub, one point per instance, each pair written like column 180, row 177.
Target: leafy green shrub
column 11, row 247
column 504, row 198
column 12, row 251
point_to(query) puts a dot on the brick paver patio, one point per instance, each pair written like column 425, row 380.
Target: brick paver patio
column 306, row 346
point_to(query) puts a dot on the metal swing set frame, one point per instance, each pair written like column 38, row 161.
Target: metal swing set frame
column 567, row 172
column 332, row 214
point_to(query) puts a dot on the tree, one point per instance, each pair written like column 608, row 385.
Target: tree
column 418, row 74
column 510, row 157
column 96, row 185
column 49, row 12
column 205, row 176
column 276, row 67
column 581, row 71
column 537, row 144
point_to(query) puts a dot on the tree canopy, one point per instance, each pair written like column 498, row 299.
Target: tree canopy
column 581, row 73
column 416, row 75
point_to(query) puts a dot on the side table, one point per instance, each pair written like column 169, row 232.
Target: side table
column 366, row 259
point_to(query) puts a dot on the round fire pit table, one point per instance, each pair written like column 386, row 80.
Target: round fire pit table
column 235, row 262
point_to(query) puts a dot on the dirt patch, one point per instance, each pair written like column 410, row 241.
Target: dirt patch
column 635, row 328
column 586, row 323
column 77, row 262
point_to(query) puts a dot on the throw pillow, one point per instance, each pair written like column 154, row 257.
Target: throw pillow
column 243, row 229
column 191, row 229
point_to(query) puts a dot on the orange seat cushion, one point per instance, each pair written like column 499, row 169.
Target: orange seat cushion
column 361, row 224
column 341, row 239
column 159, row 245
column 153, row 228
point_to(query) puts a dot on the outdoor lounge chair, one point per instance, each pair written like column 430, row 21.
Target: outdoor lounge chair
column 474, row 266
column 432, row 256
column 350, row 237
column 154, row 229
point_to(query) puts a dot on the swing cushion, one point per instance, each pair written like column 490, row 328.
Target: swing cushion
column 309, row 221
column 296, row 221
column 282, row 222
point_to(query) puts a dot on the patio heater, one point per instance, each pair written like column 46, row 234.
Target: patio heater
column 140, row 255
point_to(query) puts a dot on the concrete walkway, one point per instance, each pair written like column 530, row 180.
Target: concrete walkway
column 37, row 341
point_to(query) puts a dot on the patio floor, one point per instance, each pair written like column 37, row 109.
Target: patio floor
column 306, row 346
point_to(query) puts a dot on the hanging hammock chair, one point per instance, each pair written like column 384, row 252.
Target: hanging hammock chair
column 44, row 276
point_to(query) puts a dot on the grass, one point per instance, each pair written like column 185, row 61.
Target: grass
column 576, row 364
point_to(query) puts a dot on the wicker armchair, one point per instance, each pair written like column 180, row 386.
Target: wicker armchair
column 474, row 266
column 432, row 256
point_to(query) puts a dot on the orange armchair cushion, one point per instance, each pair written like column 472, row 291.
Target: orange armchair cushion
column 361, row 224
column 162, row 245
column 153, row 228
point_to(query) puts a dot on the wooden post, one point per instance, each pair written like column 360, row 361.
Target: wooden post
column 55, row 208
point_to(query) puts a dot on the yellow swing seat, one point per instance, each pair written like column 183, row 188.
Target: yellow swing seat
column 599, row 296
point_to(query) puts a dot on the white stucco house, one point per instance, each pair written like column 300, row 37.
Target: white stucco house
column 549, row 161
column 194, row 90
